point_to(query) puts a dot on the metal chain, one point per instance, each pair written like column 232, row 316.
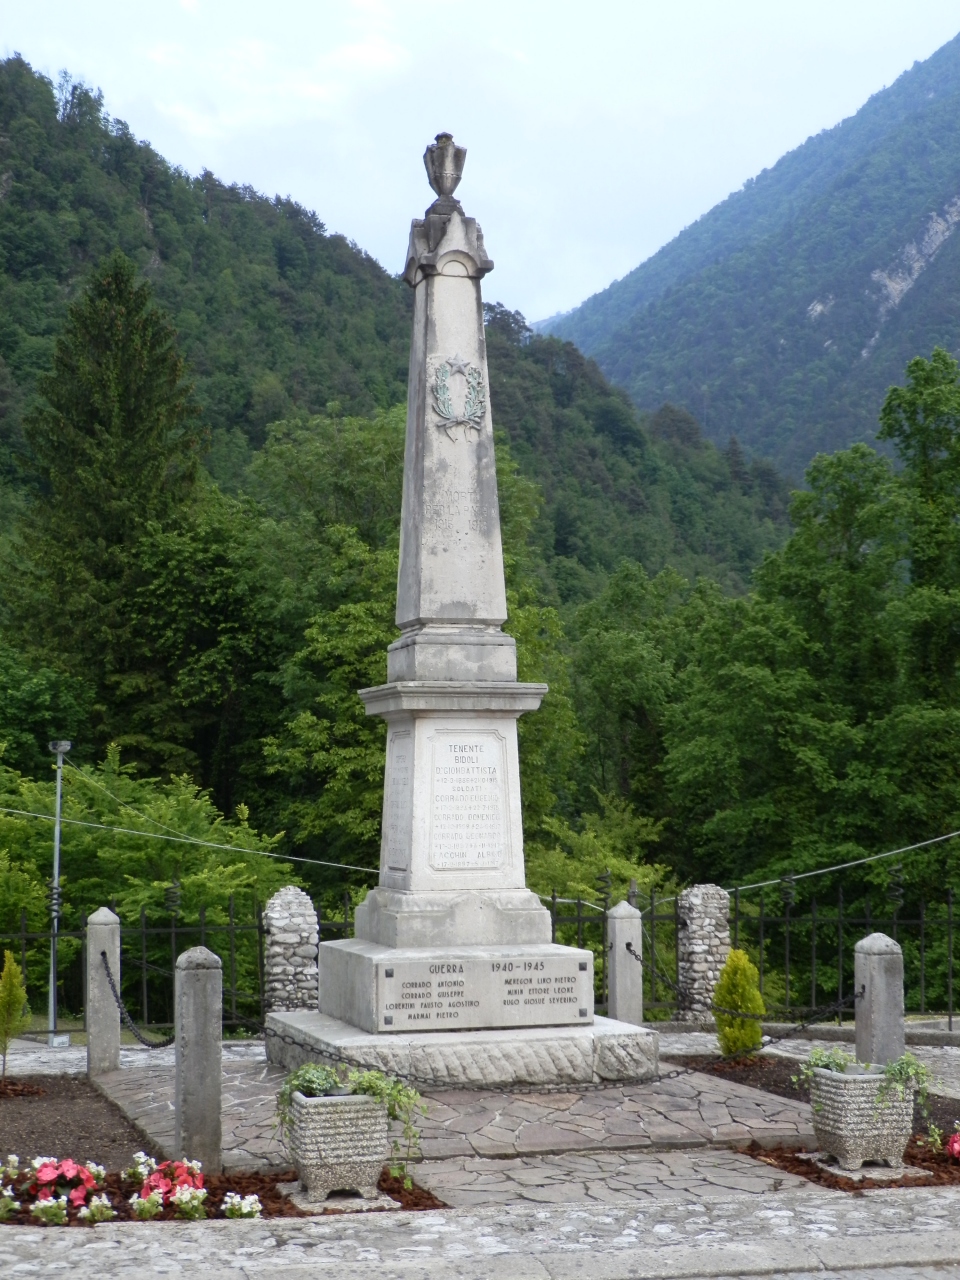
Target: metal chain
column 125, row 1016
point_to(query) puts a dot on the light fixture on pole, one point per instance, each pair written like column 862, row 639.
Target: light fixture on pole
column 55, row 1041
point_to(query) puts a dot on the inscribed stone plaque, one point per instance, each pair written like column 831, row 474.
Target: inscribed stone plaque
column 461, row 992
column 396, row 817
column 468, row 801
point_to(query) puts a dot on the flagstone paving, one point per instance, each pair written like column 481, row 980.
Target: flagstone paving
column 890, row 1234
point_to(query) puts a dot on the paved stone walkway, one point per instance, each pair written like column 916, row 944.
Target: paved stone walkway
column 690, row 1111
column 786, row 1233
column 600, row 1177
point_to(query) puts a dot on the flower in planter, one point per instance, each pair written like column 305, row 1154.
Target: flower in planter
column 235, row 1206
column 98, row 1210
column 146, row 1207
column 50, row 1210
column 953, row 1146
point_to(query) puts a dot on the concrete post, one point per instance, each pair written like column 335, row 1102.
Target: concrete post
column 878, row 969
column 199, row 1017
column 703, row 944
column 103, row 1016
column 625, row 977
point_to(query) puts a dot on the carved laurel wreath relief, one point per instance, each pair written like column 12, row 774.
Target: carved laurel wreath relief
column 471, row 415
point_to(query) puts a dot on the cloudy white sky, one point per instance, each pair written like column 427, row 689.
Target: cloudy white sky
column 596, row 131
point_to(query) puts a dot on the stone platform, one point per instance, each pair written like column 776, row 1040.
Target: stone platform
column 603, row 1051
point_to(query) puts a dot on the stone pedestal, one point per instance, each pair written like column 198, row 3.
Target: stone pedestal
column 103, row 1016
column 625, row 973
column 290, row 950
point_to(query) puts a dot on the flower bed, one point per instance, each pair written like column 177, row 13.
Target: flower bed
column 117, row 1195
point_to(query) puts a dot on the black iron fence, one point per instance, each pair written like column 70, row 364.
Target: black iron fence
column 149, row 948
column 804, row 954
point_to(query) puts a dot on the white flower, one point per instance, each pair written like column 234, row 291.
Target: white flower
column 194, row 1165
column 13, row 1163
column 98, row 1171
column 247, row 1207
column 53, row 1210
column 98, row 1210
column 37, row 1161
column 146, row 1207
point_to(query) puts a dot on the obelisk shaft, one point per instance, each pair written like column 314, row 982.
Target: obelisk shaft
column 451, row 599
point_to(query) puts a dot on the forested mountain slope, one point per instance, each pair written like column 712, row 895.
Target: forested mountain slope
column 277, row 318
column 783, row 314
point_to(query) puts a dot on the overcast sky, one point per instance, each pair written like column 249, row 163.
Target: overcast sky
column 596, row 131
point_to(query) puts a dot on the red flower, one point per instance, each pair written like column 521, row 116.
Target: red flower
column 953, row 1145
column 45, row 1193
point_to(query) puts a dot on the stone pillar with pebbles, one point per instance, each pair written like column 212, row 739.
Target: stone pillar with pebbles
column 290, row 951
column 703, row 944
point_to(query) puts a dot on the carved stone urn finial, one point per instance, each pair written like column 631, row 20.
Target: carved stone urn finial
column 444, row 161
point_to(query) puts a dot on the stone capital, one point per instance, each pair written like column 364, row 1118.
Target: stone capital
column 445, row 245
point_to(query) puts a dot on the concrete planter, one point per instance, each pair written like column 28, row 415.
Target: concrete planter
column 338, row 1143
column 854, row 1123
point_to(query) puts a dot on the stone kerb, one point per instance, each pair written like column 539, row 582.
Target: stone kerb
column 703, row 944
column 290, row 951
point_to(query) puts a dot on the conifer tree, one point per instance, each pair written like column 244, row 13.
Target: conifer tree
column 14, row 1010
column 111, row 449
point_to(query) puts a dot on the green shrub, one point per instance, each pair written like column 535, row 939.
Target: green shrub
column 14, row 1010
column 739, row 989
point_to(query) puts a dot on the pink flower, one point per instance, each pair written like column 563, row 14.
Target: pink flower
column 86, row 1177
column 45, row 1193
column 78, row 1195
column 48, row 1172
column 953, row 1145
column 69, row 1168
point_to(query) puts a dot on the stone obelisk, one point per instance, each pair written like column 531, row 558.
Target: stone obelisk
column 452, row 975
column 451, row 937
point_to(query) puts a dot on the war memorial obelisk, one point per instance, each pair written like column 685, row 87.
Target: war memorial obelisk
column 452, row 973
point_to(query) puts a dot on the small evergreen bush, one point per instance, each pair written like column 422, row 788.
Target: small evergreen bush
column 738, row 988
column 14, row 1010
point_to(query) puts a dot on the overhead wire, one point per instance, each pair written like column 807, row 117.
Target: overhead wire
column 206, row 844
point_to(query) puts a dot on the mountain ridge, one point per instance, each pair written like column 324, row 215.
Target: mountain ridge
column 845, row 217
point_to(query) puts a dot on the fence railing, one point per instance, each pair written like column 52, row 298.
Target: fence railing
column 804, row 956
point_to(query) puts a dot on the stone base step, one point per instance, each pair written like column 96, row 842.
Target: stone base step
column 604, row 1051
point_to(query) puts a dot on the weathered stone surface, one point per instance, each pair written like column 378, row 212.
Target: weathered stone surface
column 855, row 1119
column 103, row 1016
column 607, row 1050
column 198, row 1003
column 625, row 972
column 290, row 950
column 338, row 1144
column 878, row 972
column 703, row 944
column 455, row 988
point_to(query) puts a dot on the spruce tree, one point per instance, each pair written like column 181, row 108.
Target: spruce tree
column 111, row 449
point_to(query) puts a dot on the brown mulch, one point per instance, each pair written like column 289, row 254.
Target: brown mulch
column 273, row 1202
column 945, row 1172
column 19, row 1089
column 774, row 1075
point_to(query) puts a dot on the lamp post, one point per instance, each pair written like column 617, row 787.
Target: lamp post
column 60, row 749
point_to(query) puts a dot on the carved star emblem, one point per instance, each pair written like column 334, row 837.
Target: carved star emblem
column 459, row 365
